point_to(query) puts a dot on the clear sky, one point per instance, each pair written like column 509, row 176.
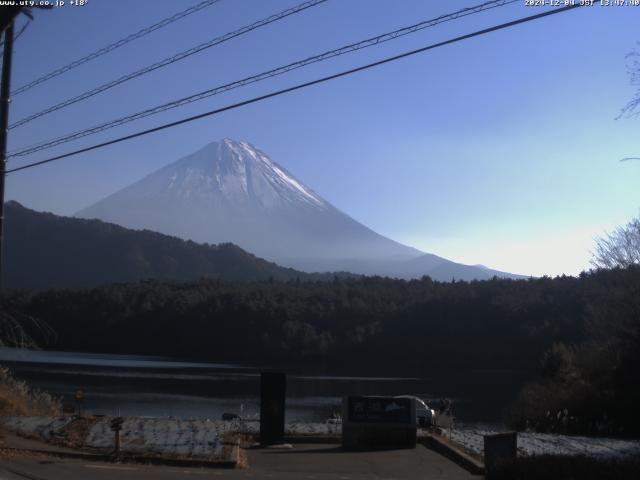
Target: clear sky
column 502, row 150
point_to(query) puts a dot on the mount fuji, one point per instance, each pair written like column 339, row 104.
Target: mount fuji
column 230, row 191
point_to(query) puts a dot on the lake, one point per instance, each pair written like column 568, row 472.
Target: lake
column 154, row 386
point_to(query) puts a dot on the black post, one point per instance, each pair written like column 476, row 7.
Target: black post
column 117, row 452
column 272, row 396
column 116, row 426
column 5, row 91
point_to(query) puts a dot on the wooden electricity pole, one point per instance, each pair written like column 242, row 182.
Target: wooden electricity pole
column 5, row 91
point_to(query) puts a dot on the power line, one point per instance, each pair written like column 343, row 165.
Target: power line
column 20, row 32
column 169, row 60
column 300, row 86
column 261, row 76
column 115, row 45
column 24, row 27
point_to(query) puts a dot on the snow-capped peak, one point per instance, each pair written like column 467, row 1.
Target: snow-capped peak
column 240, row 172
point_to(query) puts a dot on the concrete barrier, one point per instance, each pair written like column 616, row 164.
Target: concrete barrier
column 499, row 449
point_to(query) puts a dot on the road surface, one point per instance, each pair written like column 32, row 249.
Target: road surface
column 304, row 461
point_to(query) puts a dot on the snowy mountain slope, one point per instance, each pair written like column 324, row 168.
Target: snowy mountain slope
column 230, row 191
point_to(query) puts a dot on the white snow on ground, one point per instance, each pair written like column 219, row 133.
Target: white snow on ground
column 546, row 443
column 294, row 428
column 200, row 438
column 173, row 436
column 204, row 438
column 41, row 427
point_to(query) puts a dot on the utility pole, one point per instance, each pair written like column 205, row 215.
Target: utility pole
column 5, row 91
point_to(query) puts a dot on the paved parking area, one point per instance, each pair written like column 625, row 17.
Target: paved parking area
column 304, row 461
column 329, row 461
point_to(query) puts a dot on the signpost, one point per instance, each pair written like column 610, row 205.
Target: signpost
column 379, row 409
column 379, row 422
column 68, row 408
column 79, row 397
column 116, row 426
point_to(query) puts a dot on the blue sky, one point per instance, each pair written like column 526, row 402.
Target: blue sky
column 502, row 150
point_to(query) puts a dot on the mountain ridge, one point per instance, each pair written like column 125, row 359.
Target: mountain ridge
column 44, row 250
column 230, row 191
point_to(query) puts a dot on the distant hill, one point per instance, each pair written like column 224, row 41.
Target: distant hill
column 43, row 250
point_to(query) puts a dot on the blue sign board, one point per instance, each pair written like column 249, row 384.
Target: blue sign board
column 379, row 410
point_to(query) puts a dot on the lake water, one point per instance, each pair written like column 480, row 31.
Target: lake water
column 154, row 386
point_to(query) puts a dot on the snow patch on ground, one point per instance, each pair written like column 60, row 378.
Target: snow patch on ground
column 204, row 438
column 41, row 427
column 530, row 443
column 173, row 436
column 196, row 438
column 294, row 428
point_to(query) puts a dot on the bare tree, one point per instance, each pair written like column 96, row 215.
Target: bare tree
column 633, row 68
column 19, row 329
column 621, row 248
column 13, row 332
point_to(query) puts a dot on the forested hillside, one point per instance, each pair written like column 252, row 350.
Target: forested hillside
column 43, row 250
column 407, row 324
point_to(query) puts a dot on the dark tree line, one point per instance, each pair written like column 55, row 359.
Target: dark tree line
column 579, row 337
column 421, row 322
